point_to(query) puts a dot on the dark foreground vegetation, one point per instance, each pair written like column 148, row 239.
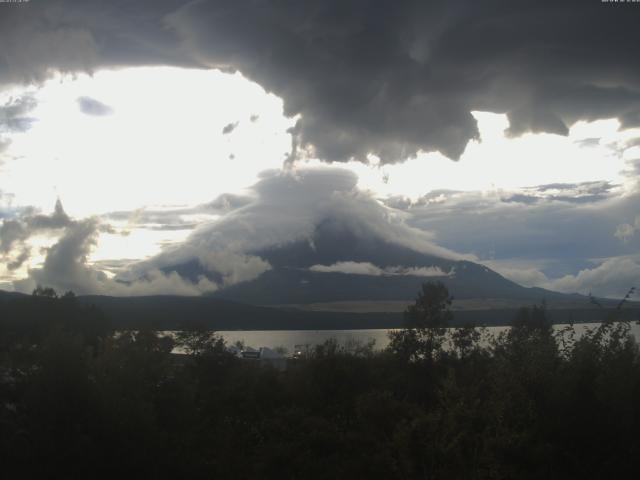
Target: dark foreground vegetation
column 78, row 400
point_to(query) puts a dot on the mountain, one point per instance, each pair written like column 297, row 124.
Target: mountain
column 7, row 296
column 291, row 280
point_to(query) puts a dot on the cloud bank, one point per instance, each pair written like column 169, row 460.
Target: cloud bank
column 285, row 207
column 365, row 77
column 66, row 265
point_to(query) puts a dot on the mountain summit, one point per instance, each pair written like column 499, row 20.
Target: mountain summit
column 339, row 263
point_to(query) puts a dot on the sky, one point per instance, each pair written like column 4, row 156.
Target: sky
column 134, row 135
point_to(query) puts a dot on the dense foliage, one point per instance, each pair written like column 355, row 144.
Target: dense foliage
column 78, row 400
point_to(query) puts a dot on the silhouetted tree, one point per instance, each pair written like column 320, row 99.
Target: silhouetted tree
column 425, row 324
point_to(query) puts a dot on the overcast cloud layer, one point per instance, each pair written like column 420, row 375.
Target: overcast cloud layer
column 366, row 76
column 551, row 236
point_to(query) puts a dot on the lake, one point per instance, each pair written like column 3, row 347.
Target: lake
column 290, row 338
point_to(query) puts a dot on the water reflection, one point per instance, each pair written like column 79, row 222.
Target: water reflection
column 289, row 339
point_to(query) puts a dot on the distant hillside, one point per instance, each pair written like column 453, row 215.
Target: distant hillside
column 175, row 313
column 4, row 295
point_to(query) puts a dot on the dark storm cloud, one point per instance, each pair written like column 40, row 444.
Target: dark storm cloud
column 388, row 78
column 391, row 79
column 71, row 36
column 91, row 106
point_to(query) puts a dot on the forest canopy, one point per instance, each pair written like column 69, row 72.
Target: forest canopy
column 79, row 399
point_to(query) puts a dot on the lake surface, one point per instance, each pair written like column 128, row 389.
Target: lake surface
column 288, row 339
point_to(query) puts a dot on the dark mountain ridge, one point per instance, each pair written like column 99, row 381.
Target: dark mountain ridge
column 170, row 312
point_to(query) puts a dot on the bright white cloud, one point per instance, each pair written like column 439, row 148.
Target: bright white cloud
column 611, row 278
column 352, row 268
column 366, row 268
column 161, row 144
column 419, row 271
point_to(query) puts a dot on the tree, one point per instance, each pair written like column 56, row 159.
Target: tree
column 44, row 292
column 425, row 324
